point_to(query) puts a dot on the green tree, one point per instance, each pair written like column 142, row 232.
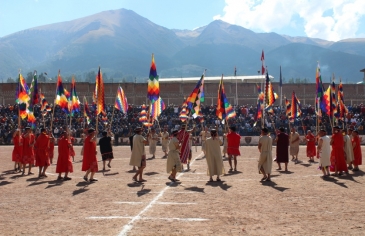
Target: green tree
column 29, row 77
column 10, row 80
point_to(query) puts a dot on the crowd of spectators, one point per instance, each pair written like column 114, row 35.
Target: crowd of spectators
column 124, row 124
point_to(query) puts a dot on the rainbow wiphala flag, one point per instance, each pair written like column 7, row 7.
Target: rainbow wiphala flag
column 153, row 90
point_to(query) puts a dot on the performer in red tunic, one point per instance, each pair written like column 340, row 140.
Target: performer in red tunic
column 64, row 161
column 282, row 150
column 338, row 161
column 183, row 137
column 72, row 151
column 42, row 159
column 28, row 150
column 17, row 151
column 311, row 145
column 357, row 150
column 233, row 148
column 89, row 161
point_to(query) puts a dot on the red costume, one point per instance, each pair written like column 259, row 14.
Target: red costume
column 28, row 151
column 18, row 148
column 41, row 146
column 51, row 149
column 183, row 138
column 89, row 160
column 64, row 161
column 311, row 145
column 72, row 151
column 233, row 142
column 338, row 154
column 357, row 151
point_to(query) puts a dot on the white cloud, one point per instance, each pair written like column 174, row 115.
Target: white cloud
column 271, row 15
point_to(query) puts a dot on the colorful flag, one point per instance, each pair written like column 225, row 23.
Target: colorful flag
column 288, row 107
column 295, row 107
column 263, row 70
column 34, row 89
column 153, row 90
column 183, row 113
column 270, row 94
column 121, row 102
column 99, row 93
column 196, row 98
column 260, row 103
column 156, row 108
column 333, row 98
column 22, row 91
column 224, row 109
column 31, row 119
column 327, row 101
column 61, row 99
column 43, row 102
column 143, row 114
column 23, row 110
column 342, row 108
column 320, row 91
column 75, row 102
column 87, row 113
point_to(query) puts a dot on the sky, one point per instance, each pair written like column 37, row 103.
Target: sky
column 332, row 20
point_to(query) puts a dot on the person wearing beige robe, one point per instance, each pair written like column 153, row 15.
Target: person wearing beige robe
column 138, row 157
column 173, row 164
column 294, row 144
column 324, row 152
column 152, row 140
column 348, row 149
column 214, row 156
column 204, row 134
column 165, row 141
column 265, row 160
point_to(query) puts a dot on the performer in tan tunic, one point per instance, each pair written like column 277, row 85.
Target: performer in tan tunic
column 294, row 144
column 204, row 134
column 165, row 141
column 152, row 140
column 349, row 152
column 138, row 157
column 324, row 150
column 214, row 156
column 265, row 160
column 173, row 159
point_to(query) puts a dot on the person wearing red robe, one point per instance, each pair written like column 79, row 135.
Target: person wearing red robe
column 282, row 148
column 338, row 160
column 183, row 137
column 233, row 147
column 72, row 150
column 17, row 151
column 64, row 161
column 311, row 146
column 357, row 150
column 89, row 161
column 42, row 159
column 28, row 150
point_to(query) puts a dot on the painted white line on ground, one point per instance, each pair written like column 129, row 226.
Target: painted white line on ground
column 176, row 203
column 144, row 218
column 132, row 203
column 126, row 228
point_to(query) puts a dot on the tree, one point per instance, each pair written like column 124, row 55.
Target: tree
column 29, row 77
column 41, row 78
column 291, row 81
column 10, row 80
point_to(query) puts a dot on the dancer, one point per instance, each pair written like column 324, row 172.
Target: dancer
column 131, row 145
column 138, row 157
column 64, row 161
column 173, row 159
column 165, row 141
column 51, row 146
column 233, row 149
column 294, row 144
column 28, row 150
column 225, row 145
column 106, row 148
column 324, row 151
column 311, row 145
column 282, row 143
column 357, row 150
column 338, row 162
column 349, row 152
column 152, row 140
column 72, row 150
column 17, row 151
column 214, row 156
column 89, row 160
column 183, row 137
column 42, row 159
column 265, row 160
column 204, row 135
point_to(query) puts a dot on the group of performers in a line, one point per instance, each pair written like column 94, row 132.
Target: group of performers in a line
column 344, row 155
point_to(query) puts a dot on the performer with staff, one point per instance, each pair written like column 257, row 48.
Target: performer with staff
column 138, row 157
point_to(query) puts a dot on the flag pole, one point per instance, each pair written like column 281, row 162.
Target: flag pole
column 111, row 121
column 281, row 90
column 54, row 106
column 19, row 108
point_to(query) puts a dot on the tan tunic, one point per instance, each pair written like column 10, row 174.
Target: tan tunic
column 173, row 158
column 152, row 140
column 325, row 153
column 165, row 141
column 293, row 147
column 348, row 149
column 205, row 135
column 214, row 157
column 138, row 150
column 265, row 160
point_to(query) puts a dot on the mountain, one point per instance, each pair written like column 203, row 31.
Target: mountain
column 121, row 42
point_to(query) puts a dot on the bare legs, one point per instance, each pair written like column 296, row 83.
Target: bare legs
column 230, row 162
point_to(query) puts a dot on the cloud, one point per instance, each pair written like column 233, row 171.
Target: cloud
column 327, row 19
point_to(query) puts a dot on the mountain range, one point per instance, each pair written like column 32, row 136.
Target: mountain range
column 121, row 42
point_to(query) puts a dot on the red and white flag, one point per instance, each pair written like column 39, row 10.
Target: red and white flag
column 263, row 70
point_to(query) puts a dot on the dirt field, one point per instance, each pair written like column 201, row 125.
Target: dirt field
column 295, row 203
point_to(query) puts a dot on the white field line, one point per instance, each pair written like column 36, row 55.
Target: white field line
column 126, row 228
column 144, row 218
column 158, row 203
column 132, row 203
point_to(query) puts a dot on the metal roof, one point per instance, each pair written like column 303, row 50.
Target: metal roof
column 246, row 79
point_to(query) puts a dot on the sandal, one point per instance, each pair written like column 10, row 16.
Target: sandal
column 93, row 180
column 59, row 178
column 66, row 178
column 211, row 180
column 268, row 180
column 109, row 166
column 264, row 178
column 134, row 179
column 219, row 180
column 85, row 178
